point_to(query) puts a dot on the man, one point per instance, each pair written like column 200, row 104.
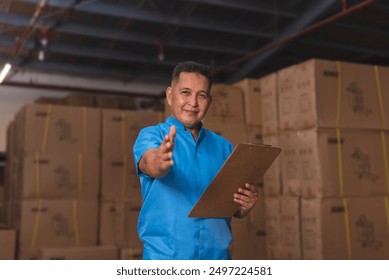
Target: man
column 176, row 160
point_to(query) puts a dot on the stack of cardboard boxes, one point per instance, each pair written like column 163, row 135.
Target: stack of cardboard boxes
column 333, row 132
column 235, row 114
column 121, row 197
column 72, row 189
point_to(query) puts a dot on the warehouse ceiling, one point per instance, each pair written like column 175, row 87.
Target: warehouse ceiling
column 127, row 40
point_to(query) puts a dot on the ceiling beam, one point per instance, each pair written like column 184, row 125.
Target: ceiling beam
column 124, row 36
column 238, row 5
column 312, row 14
column 156, row 17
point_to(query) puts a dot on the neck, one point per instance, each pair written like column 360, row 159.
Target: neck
column 194, row 131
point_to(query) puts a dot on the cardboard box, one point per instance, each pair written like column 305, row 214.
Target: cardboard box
column 309, row 96
column 235, row 133
column 227, row 105
column 56, row 223
column 326, row 162
column 7, row 244
column 118, row 225
column 252, row 100
column 119, row 179
column 81, row 253
column 249, row 240
column 80, row 99
column 272, row 183
column 106, row 102
column 131, row 253
column 121, row 128
column 53, row 129
column 269, row 110
column 58, row 176
column 257, row 215
column 290, row 228
column 127, row 103
column 273, row 227
column 254, row 134
column 348, row 228
column 50, row 100
column 70, row 253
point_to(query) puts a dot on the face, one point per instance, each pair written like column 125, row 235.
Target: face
column 189, row 99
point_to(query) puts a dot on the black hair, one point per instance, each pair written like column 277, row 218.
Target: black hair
column 192, row 67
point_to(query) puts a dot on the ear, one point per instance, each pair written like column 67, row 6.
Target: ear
column 169, row 95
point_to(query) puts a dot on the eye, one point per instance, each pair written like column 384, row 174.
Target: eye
column 203, row 95
column 185, row 92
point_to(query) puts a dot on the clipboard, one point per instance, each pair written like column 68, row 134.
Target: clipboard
column 246, row 164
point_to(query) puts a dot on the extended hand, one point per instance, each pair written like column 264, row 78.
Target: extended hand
column 156, row 162
column 165, row 152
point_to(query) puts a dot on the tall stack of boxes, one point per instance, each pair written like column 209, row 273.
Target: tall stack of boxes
column 72, row 189
column 272, row 184
column 235, row 114
column 54, row 192
column 121, row 197
column 335, row 157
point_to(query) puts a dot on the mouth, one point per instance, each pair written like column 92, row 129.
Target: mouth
column 191, row 111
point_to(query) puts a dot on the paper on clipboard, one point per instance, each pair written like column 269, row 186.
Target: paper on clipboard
column 246, row 164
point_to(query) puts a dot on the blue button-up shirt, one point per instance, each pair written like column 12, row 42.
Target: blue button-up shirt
column 163, row 224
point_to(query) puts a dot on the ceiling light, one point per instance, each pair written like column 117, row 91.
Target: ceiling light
column 5, row 71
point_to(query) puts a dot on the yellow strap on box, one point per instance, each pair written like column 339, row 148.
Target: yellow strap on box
column 340, row 162
column 75, row 223
column 387, row 210
column 338, row 136
column 380, row 101
column 84, row 134
column 386, row 163
column 36, row 225
column 124, row 176
column 46, row 129
column 37, row 176
column 339, row 102
column 80, row 175
column 347, row 228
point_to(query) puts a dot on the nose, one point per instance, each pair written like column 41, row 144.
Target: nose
column 193, row 100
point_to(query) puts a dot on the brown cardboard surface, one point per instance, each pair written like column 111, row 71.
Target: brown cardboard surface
column 290, row 228
column 121, row 128
column 118, row 223
column 56, row 223
column 273, row 227
column 309, row 96
column 7, row 244
column 119, row 179
column 131, row 253
column 235, row 133
column 227, row 105
column 252, row 100
column 53, row 128
column 246, row 164
column 81, row 253
column 272, row 183
column 249, row 240
column 269, row 101
column 58, row 176
column 327, row 162
column 348, row 228
column 106, row 102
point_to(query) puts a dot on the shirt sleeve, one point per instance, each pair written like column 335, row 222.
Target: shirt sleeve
column 148, row 138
